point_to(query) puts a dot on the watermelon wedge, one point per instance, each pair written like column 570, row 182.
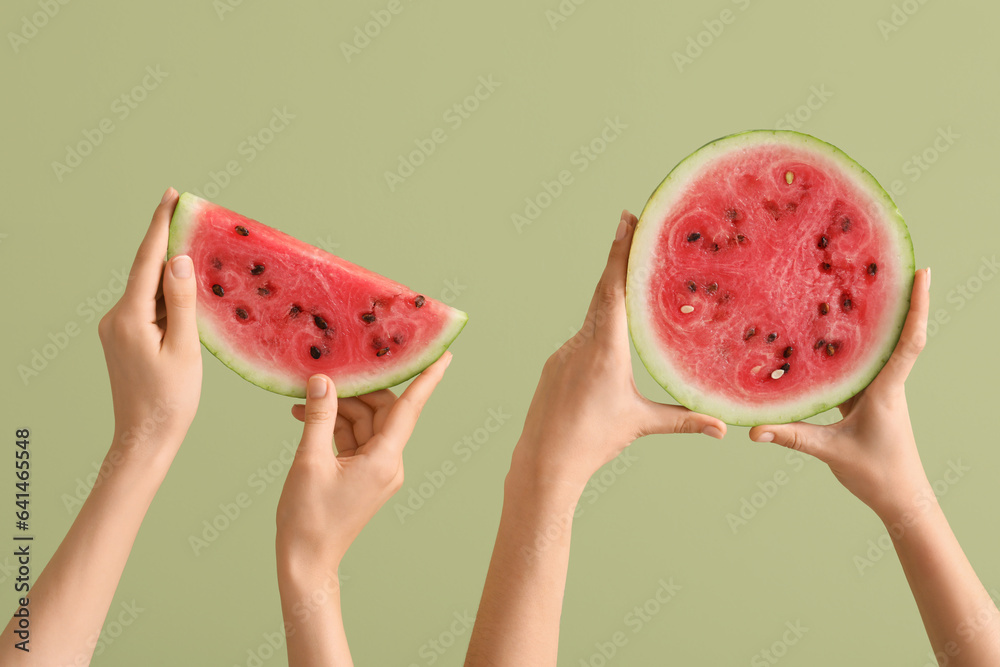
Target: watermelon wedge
column 277, row 310
column 769, row 278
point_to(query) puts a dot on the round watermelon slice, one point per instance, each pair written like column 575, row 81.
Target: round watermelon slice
column 769, row 278
column 277, row 310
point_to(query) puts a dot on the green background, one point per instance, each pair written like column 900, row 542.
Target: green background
column 447, row 231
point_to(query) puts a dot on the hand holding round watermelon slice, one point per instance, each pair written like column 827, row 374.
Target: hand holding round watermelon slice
column 872, row 450
column 586, row 408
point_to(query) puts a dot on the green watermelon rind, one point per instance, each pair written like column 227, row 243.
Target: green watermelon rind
column 181, row 223
column 641, row 331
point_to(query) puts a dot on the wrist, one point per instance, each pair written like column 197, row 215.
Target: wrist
column 907, row 508
column 546, row 476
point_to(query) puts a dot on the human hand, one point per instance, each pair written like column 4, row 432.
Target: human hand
column 872, row 450
column 151, row 345
column 328, row 498
column 586, row 408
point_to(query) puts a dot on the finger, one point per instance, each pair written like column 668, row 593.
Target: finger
column 320, row 416
column 801, row 436
column 343, row 437
column 179, row 298
column 661, row 418
column 403, row 416
column 914, row 335
column 607, row 314
column 361, row 417
column 381, row 402
column 144, row 278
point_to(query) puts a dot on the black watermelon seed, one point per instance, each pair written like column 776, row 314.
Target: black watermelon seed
column 831, row 349
column 218, row 290
column 692, row 287
column 732, row 213
column 771, row 337
column 713, row 288
column 694, row 236
column 368, row 317
column 381, row 353
column 294, row 311
column 823, row 242
column 257, row 269
column 872, row 269
column 845, row 224
column 398, row 339
column 242, row 314
column 314, row 352
column 824, row 308
column 320, row 322
column 419, row 301
column 788, row 352
column 825, row 266
column 820, row 343
column 786, row 367
column 751, row 332
column 847, row 304
column 217, row 263
column 740, row 238
column 242, row 231
column 263, row 291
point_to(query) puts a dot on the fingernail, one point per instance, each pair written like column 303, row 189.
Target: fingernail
column 166, row 195
column 766, row 436
column 447, row 362
column 316, row 387
column 928, row 277
column 712, row 432
column 620, row 234
column 182, row 267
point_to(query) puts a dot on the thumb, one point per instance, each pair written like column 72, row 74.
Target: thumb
column 661, row 418
column 320, row 416
column 804, row 437
column 179, row 297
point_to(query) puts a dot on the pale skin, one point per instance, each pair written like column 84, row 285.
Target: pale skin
column 586, row 410
column 329, row 496
column 153, row 354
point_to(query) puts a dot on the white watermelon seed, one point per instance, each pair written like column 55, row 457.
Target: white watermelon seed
column 789, row 177
column 755, row 369
column 777, row 374
column 687, row 309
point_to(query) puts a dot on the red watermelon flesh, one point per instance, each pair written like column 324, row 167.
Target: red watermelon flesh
column 277, row 310
column 769, row 278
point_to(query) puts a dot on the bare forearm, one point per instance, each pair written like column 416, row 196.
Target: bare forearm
column 961, row 620
column 314, row 623
column 70, row 600
column 518, row 619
